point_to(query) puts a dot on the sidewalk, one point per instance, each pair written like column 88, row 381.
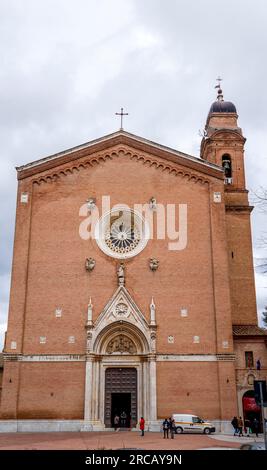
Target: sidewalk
column 112, row 440
column 232, row 438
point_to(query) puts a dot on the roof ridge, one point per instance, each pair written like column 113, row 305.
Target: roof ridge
column 107, row 137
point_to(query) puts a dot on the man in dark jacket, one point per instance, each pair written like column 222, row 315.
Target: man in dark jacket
column 172, row 427
column 234, row 423
column 256, row 426
column 166, row 426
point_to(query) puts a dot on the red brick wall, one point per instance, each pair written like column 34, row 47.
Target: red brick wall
column 193, row 387
column 243, row 297
column 46, row 391
column 224, row 137
column 49, row 272
column 56, row 274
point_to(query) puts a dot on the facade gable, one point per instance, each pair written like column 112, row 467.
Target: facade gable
column 121, row 143
column 121, row 314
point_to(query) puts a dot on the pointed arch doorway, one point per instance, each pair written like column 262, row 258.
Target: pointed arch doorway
column 121, row 396
column 123, row 362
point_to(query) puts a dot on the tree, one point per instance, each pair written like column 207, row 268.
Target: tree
column 259, row 199
column 264, row 316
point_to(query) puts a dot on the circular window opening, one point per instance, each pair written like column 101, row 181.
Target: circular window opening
column 122, row 233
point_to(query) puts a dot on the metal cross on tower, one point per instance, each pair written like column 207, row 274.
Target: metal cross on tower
column 219, row 80
column 220, row 93
column 121, row 114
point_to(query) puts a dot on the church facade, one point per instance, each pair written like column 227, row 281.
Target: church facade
column 132, row 287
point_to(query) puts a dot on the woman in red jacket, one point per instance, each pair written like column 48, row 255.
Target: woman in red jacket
column 142, row 426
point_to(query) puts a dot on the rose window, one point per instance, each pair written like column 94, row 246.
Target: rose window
column 122, row 237
column 122, row 233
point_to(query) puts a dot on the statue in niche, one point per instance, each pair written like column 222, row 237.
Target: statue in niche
column 89, row 340
column 153, row 341
column 153, row 204
column 121, row 274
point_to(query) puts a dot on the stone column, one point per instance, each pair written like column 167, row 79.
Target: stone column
column 87, row 426
column 95, row 398
column 153, row 426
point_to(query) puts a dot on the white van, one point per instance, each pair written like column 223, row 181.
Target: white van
column 192, row 423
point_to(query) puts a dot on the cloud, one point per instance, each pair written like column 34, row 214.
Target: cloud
column 67, row 67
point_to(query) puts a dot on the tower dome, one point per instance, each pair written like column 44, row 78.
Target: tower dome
column 221, row 106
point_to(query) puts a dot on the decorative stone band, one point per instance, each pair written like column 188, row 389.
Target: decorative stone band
column 195, row 357
column 226, row 357
column 12, row 357
column 83, row 357
column 44, row 358
column 187, row 357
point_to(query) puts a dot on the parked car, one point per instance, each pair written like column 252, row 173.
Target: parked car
column 253, row 446
column 192, row 423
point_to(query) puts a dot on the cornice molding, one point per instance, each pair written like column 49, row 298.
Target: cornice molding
column 135, row 143
column 233, row 208
column 139, row 158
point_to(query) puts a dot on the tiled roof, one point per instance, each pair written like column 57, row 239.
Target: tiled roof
column 248, row 330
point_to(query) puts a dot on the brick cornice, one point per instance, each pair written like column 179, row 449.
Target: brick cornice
column 145, row 159
column 236, row 208
column 106, row 149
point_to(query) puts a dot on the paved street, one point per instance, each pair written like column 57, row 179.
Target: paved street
column 113, row 440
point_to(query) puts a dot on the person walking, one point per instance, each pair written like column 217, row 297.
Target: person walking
column 247, row 429
column 116, row 422
column 256, row 426
column 142, row 426
column 240, row 425
column 165, row 426
column 123, row 419
column 234, row 423
column 172, row 427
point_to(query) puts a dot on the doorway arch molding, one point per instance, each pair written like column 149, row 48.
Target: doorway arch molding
column 127, row 329
column 120, row 320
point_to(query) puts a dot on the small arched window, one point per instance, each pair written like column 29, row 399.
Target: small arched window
column 227, row 166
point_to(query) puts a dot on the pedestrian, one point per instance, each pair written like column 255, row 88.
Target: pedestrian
column 123, row 419
column 165, row 426
column 116, row 422
column 240, row 425
column 172, row 427
column 247, row 427
column 142, row 426
column 234, row 423
column 256, row 426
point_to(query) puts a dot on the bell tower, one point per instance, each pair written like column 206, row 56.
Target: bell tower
column 223, row 144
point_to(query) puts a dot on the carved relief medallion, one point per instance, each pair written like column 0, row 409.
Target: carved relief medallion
column 121, row 344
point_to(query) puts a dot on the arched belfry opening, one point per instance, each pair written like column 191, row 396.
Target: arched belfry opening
column 120, row 365
column 227, row 166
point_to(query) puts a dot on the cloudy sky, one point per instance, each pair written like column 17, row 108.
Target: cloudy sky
column 67, row 66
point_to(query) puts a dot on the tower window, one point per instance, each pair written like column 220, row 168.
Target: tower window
column 227, row 166
column 249, row 359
